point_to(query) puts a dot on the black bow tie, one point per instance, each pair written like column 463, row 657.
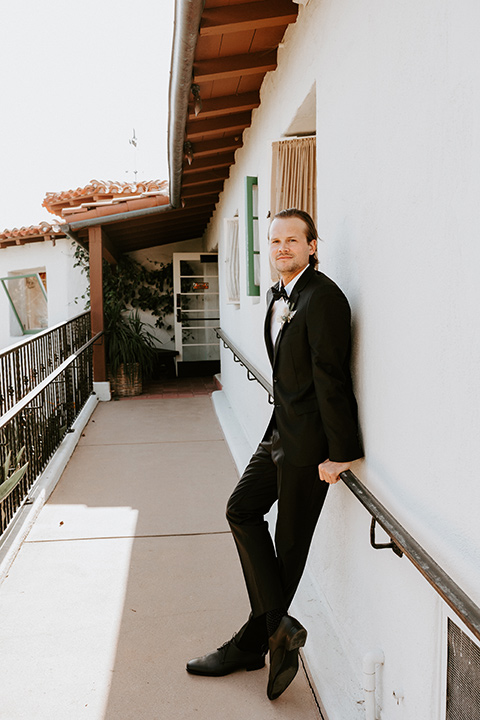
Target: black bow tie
column 279, row 294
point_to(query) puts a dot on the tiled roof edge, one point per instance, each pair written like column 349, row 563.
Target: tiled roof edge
column 97, row 187
column 30, row 231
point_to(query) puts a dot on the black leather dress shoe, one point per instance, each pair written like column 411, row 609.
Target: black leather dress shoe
column 284, row 645
column 226, row 660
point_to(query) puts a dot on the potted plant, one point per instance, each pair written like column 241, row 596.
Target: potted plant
column 130, row 349
column 129, row 287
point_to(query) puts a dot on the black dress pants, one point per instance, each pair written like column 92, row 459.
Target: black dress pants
column 273, row 569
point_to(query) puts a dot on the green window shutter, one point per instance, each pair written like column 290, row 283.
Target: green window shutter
column 253, row 246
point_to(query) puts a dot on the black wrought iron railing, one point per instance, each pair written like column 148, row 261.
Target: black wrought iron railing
column 26, row 364
column 41, row 400
column 401, row 541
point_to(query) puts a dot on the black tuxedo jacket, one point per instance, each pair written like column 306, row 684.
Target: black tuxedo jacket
column 315, row 410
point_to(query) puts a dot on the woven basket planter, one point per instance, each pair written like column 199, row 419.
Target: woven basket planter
column 127, row 382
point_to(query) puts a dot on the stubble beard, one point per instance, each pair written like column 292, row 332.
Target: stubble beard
column 287, row 268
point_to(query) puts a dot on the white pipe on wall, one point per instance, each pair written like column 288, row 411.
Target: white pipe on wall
column 371, row 659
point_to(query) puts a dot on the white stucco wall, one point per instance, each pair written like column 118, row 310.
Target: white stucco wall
column 398, row 101
column 65, row 284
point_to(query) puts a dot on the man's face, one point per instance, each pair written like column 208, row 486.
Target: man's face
column 289, row 248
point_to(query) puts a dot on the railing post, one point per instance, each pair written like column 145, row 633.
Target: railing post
column 69, row 390
column 17, row 376
column 95, row 244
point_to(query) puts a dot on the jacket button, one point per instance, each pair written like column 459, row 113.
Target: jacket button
column 275, row 379
column 277, row 405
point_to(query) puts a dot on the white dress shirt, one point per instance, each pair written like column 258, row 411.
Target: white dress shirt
column 280, row 307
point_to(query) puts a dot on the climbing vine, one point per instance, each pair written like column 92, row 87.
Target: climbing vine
column 134, row 285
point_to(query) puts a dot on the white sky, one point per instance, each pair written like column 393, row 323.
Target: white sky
column 75, row 79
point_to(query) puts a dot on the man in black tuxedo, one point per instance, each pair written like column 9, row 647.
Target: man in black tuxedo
column 312, row 437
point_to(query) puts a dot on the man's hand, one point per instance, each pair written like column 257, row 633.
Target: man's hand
column 329, row 471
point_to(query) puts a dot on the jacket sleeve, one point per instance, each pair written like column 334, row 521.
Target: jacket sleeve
column 329, row 337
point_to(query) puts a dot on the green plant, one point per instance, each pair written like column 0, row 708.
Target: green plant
column 134, row 285
column 9, row 482
column 128, row 340
column 129, row 287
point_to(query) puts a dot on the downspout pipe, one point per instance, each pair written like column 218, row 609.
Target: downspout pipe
column 370, row 661
column 188, row 14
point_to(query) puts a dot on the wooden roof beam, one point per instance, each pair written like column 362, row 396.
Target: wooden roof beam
column 201, row 222
column 248, row 16
column 211, row 147
column 109, row 251
column 199, row 217
column 222, row 68
column 140, row 238
column 231, row 124
column 205, row 189
column 198, row 203
column 167, row 240
column 149, row 223
column 187, row 218
column 185, row 213
column 169, row 216
column 210, row 161
column 207, row 176
column 227, row 104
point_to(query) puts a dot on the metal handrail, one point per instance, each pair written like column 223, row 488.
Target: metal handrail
column 18, row 407
column 402, row 541
column 26, row 364
column 252, row 372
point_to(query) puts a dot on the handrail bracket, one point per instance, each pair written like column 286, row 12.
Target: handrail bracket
column 383, row 546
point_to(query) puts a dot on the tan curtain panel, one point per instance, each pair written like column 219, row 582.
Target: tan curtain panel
column 294, row 182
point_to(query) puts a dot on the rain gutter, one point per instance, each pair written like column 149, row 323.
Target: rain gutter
column 188, row 14
column 68, row 228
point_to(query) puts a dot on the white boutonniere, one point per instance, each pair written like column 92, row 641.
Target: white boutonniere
column 288, row 314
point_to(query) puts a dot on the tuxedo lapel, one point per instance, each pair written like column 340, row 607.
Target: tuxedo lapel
column 297, row 289
column 267, row 326
column 277, row 343
column 301, row 283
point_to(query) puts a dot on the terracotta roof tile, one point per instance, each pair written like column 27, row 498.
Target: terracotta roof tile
column 32, row 233
column 97, row 199
column 97, row 191
column 90, row 210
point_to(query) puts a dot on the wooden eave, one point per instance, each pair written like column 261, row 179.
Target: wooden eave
column 236, row 45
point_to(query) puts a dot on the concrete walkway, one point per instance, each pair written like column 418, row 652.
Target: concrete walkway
column 128, row 572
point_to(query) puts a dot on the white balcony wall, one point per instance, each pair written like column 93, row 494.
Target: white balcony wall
column 398, row 101
column 65, row 283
